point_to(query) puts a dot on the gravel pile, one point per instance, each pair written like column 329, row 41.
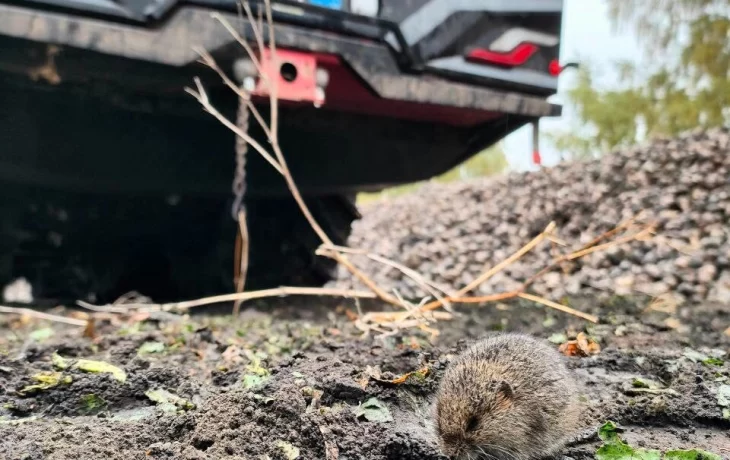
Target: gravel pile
column 452, row 233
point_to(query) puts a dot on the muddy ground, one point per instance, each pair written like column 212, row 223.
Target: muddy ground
column 295, row 379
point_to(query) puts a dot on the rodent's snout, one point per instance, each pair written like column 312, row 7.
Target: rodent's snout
column 454, row 452
column 457, row 449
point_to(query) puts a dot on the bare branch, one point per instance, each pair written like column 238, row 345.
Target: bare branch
column 274, row 93
column 241, row 41
column 208, row 60
column 202, row 97
column 280, row 163
column 257, row 26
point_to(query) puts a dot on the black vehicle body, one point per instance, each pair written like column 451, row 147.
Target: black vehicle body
column 99, row 140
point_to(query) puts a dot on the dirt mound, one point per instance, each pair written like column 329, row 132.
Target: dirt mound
column 301, row 382
column 453, row 232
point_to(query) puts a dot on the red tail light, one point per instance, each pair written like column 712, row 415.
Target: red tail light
column 516, row 57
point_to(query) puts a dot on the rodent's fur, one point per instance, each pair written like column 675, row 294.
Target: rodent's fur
column 507, row 397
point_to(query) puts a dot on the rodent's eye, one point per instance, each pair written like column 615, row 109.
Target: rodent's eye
column 472, row 423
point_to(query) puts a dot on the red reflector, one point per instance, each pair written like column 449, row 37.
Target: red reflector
column 554, row 68
column 517, row 56
column 536, row 158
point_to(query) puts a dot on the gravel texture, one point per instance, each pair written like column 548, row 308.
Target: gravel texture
column 452, row 233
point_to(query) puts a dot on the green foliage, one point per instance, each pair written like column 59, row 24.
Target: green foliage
column 149, row 348
column 489, row 162
column 256, row 374
column 45, row 381
column 684, row 84
column 41, row 335
column 91, row 403
column 87, row 365
column 614, row 448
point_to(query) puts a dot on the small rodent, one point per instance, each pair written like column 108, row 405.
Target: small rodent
column 507, row 397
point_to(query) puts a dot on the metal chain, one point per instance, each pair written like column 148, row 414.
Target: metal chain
column 239, row 178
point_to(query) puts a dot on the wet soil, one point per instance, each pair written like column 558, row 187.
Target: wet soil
column 296, row 379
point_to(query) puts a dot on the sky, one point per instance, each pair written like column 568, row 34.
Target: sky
column 587, row 31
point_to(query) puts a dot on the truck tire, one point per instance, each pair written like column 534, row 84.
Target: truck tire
column 283, row 244
column 95, row 247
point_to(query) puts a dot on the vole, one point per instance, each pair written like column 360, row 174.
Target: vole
column 507, row 397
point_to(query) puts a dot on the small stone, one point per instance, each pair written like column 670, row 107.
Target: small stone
column 653, row 271
column 706, row 274
column 552, row 279
column 682, row 262
column 720, row 291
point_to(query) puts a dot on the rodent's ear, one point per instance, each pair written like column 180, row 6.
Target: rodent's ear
column 505, row 394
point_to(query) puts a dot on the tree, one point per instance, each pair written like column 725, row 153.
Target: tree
column 684, row 84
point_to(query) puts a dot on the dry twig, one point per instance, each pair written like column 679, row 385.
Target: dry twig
column 242, row 253
column 427, row 285
column 560, row 307
column 41, row 315
column 283, row 291
column 508, row 261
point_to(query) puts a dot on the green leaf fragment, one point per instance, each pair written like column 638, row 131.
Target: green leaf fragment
column 92, row 403
column 697, row 357
column 257, row 374
column 290, row 452
column 101, row 367
column 713, row 362
column 169, row 402
column 40, row 335
column 625, row 452
column 726, row 414
column 558, row 338
column 87, row 365
column 59, row 362
column 694, row 454
column 614, row 448
column 45, row 381
column 549, row 321
column 373, row 410
column 608, row 432
column 253, row 380
column 257, row 369
column 149, row 348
